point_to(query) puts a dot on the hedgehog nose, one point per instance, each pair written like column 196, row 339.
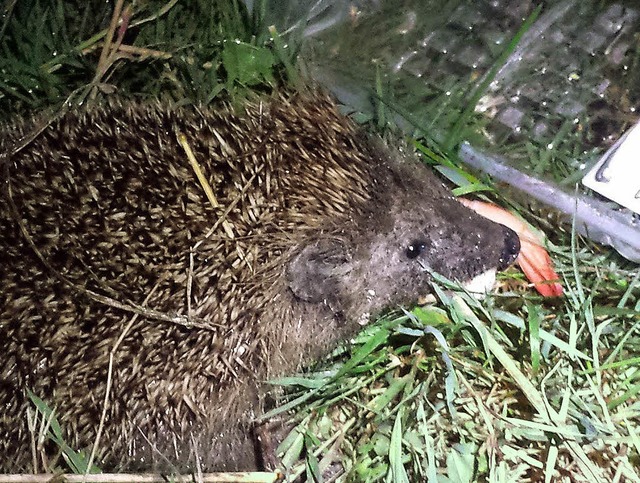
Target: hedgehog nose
column 511, row 248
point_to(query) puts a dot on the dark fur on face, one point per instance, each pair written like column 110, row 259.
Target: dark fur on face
column 318, row 227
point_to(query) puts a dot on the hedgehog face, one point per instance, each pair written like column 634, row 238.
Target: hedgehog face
column 441, row 236
column 385, row 258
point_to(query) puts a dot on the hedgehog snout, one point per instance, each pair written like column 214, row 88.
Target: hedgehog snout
column 510, row 250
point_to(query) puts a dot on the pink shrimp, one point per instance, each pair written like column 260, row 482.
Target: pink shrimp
column 533, row 259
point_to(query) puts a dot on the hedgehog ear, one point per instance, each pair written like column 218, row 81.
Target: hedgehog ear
column 314, row 274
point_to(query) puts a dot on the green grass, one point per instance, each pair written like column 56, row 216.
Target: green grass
column 513, row 388
column 183, row 51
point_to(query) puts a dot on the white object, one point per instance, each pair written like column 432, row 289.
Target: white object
column 617, row 175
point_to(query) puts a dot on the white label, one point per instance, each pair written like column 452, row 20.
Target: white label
column 617, row 174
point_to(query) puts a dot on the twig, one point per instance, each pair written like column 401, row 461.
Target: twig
column 110, row 48
column 53, row 64
column 182, row 140
column 106, row 47
column 133, row 50
column 105, row 405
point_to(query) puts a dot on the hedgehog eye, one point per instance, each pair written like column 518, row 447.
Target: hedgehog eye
column 415, row 248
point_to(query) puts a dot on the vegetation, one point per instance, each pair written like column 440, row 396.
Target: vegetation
column 182, row 51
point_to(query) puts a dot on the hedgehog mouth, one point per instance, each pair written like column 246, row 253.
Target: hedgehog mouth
column 479, row 286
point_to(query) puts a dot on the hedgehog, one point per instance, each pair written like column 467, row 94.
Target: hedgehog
column 137, row 294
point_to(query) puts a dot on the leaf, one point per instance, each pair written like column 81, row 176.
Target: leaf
column 246, row 64
column 76, row 460
column 397, row 473
column 461, row 463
